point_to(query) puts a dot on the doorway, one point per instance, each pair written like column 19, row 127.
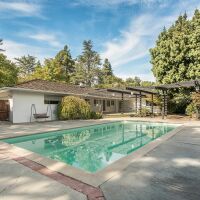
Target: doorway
column 4, row 110
column 104, row 105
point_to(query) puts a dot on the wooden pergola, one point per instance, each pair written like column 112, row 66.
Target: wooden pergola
column 166, row 87
column 139, row 92
column 136, row 93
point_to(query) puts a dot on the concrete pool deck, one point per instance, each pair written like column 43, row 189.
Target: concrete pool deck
column 168, row 171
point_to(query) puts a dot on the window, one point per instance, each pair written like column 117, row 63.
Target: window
column 87, row 100
column 97, row 102
column 108, row 103
column 112, row 103
column 50, row 102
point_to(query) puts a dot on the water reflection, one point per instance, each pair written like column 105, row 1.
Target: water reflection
column 94, row 147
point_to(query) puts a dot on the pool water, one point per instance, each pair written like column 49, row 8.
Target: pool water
column 94, row 147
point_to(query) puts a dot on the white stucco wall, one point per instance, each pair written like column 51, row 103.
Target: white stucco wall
column 22, row 102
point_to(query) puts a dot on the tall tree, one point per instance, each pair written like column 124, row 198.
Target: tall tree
column 87, row 65
column 65, row 62
column 194, row 53
column 133, row 81
column 8, row 72
column 176, row 57
column 1, row 43
column 107, row 68
column 26, row 65
column 176, row 54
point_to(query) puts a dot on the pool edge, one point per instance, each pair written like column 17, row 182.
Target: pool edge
column 99, row 177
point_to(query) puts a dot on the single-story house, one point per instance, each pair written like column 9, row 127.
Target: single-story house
column 20, row 103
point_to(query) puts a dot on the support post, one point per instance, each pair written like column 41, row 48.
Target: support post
column 140, row 99
column 152, row 105
column 122, row 103
column 136, row 104
column 164, row 106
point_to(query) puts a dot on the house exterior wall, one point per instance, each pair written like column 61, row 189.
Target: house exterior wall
column 22, row 102
column 111, row 106
column 20, row 105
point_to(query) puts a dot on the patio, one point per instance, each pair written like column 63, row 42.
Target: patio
column 169, row 170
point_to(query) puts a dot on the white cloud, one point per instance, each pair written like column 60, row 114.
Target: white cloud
column 14, row 50
column 50, row 38
column 20, row 7
column 108, row 3
column 133, row 43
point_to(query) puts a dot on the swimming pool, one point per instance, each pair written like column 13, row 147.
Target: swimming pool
column 92, row 148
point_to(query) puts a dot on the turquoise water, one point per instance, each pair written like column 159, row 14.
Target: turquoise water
column 94, row 147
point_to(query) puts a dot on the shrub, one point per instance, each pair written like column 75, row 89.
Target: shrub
column 73, row 108
column 191, row 109
column 145, row 112
column 95, row 115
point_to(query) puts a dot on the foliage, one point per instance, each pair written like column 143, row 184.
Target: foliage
column 196, row 98
column 133, row 81
column 178, row 102
column 59, row 68
column 194, row 107
column 157, row 100
column 110, row 82
column 191, row 109
column 26, row 65
column 66, row 63
column 107, row 68
column 75, row 108
column 176, row 56
column 96, row 115
column 106, row 76
column 8, row 72
column 87, row 65
column 145, row 112
column 1, row 43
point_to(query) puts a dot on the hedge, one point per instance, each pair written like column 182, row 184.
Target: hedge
column 71, row 108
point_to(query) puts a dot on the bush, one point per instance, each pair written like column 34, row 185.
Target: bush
column 75, row 108
column 145, row 112
column 191, row 109
column 95, row 115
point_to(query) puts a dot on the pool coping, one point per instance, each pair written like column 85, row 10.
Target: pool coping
column 93, row 179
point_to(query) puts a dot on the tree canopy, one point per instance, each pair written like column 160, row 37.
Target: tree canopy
column 26, row 65
column 1, row 43
column 176, row 56
column 87, row 65
column 8, row 72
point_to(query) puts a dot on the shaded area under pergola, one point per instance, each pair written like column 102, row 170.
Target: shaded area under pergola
column 166, row 87
column 136, row 93
column 139, row 92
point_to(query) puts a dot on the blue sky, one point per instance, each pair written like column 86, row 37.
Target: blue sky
column 121, row 30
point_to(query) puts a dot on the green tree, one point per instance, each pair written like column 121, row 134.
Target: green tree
column 175, row 57
column 87, row 65
column 8, row 72
column 193, row 71
column 65, row 62
column 107, row 68
column 106, row 76
column 1, row 43
column 60, row 68
column 133, row 81
column 26, row 65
